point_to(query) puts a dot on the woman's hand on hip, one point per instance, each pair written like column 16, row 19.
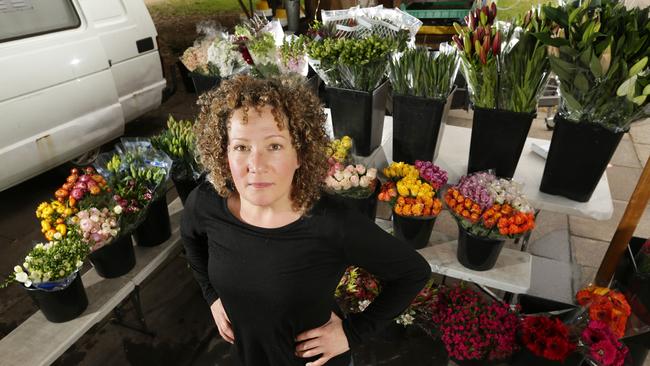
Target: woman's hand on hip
column 222, row 321
column 328, row 340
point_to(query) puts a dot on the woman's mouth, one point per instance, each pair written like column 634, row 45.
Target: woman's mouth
column 260, row 185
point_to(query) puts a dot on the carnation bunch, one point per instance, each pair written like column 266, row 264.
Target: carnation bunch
column 491, row 207
column 354, row 181
column 602, row 346
column 473, row 329
column 98, row 227
column 547, row 337
column 606, row 305
column 411, row 189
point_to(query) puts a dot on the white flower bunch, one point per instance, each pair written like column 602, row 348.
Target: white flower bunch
column 51, row 261
column 343, row 179
column 405, row 319
column 508, row 191
column 225, row 57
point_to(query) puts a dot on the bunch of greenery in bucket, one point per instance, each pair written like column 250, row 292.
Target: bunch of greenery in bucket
column 412, row 189
column 214, row 54
column 472, row 328
column 599, row 50
column 488, row 210
column 179, row 143
column 80, row 185
column 258, row 40
column 423, row 73
column 524, row 66
column 293, row 55
column 479, row 44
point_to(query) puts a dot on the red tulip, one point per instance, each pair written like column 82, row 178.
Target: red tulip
column 458, row 42
column 493, row 12
column 496, row 44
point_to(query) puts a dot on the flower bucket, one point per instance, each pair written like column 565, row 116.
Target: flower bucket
column 577, row 158
column 61, row 305
column 184, row 186
column 114, row 259
column 498, row 137
column 366, row 206
column 414, row 230
column 185, row 77
column 203, row 83
column 360, row 115
column 477, row 253
column 156, row 227
column 417, row 127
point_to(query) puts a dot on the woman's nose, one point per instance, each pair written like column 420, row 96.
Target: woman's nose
column 257, row 161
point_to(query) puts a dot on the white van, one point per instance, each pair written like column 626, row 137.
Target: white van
column 72, row 73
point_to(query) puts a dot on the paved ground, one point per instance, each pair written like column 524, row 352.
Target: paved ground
column 172, row 301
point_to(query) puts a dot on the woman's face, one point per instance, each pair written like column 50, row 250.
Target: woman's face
column 261, row 157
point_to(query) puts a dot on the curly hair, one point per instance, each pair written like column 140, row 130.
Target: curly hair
column 294, row 107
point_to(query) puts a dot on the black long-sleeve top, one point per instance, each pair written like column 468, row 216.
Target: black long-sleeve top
column 277, row 283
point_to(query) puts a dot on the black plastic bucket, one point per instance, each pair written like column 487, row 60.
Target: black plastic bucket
column 156, row 227
column 185, row 77
column 360, row 115
column 114, row 259
column 62, row 305
column 577, row 158
column 477, row 253
column 203, row 83
column 184, row 187
column 416, row 127
column 498, row 137
column 366, row 206
column 414, row 230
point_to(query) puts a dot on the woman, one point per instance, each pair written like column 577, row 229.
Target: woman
column 265, row 251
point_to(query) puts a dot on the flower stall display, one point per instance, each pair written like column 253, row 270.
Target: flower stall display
column 50, row 274
column 350, row 52
column 606, row 305
column 601, row 346
column 473, row 329
column 138, row 174
column 79, row 185
column 422, row 82
column 411, row 190
column 488, row 210
column 500, row 128
column 178, row 142
column 599, row 51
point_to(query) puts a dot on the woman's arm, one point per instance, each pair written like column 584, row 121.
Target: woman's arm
column 403, row 272
column 195, row 241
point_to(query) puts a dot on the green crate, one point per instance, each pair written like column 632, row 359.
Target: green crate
column 437, row 13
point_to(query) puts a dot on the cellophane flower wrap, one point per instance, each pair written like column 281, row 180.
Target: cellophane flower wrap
column 471, row 328
column 52, row 265
column 81, row 186
column 137, row 174
column 479, row 44
column 606, row 305
column 600, row 50
column 547, row 337
column 412, row 189
column 214, row 53
column 490, row 207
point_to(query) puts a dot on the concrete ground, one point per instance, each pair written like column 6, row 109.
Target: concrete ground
column 175, row 310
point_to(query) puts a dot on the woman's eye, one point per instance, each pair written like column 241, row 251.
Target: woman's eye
column 240, row 148
column 275, row 147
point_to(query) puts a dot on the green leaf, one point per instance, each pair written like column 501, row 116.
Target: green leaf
column 562, row 68
column 574, row 13
column 573, row 104
column 569, row 51
column 638, row 67
column 557, row 15
column 585, row 56
column 595, row 67
column 639, row 100
column 646, row 90
column 581, row 82
column 545, row 38
column 624, row 89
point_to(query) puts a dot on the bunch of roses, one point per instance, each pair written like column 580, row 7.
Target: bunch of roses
column 410, row 193
column 338, row 150
column 547, row 337
column 606, row 305
column 351, row 180
column 490, row 206
column 602, row 345
column 472, row 329
column 357, row 289
column 98, row 227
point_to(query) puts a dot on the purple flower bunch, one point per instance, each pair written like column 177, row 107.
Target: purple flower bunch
column 431, row 173
column 473, row 329
column 603, row 347
column 475, row 187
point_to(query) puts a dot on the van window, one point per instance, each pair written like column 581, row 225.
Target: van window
column 27, row 18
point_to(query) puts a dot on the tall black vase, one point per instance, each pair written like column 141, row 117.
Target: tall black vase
column 414, row 230
column 498, row 137
column 366, row 206
column 417, row 128
column 577, row 158
column 477, row 253
column 203, row 83
column 114, row 259
column 61, row 305
column 156, row 227
column 360, row 115
column 184, row 187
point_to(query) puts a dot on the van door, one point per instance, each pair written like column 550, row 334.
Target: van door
column 57, row 93
column 128, row 36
